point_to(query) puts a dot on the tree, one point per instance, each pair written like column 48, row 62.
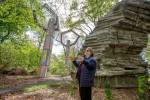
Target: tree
column 16, row 16
column 23, row 55
column 85, row 14
column 58, row 65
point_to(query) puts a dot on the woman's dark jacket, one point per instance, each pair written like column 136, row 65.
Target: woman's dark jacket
column 86, row 71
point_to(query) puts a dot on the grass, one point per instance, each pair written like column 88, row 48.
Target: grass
column 35, row 88
column 72, row 87
column 45, row 86
column 40, row 86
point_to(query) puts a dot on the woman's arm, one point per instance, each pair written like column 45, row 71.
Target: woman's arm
column 75, row 62
column 90, row 64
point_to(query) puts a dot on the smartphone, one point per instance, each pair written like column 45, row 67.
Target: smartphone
column 80, row 58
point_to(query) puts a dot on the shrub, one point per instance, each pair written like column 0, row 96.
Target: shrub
column 108, row 90
column 24, row 56
column 142, row 87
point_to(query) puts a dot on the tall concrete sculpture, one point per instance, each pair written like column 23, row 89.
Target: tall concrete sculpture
column 118, row 39
column 52, row 27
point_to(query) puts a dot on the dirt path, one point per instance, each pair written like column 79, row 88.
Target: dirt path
column 62, row 93
column 44, row 94
column 22, row 82
column 13, row 86
column 61, row 89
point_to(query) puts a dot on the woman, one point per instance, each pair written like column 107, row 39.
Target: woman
column 86, row 68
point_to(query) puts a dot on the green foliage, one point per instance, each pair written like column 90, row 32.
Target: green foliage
column 36, row 87
column 97, row 8
column 88, row 11
column 142, row 87
column 46, row 85
column 25, row 56
column 72, row 54
column 57, row 65
column 72, row 87
column 16, row 16
column 108, row 91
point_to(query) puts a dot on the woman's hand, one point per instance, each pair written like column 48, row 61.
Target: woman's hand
column 71, row 58
column 81, row 59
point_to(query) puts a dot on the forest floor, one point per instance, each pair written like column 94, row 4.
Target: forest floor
column 34, row 88
column 51, row 88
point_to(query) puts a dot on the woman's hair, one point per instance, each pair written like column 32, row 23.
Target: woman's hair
column 91, row 50
column 83, row 51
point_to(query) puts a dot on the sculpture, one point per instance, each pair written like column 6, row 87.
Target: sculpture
column 118, row 39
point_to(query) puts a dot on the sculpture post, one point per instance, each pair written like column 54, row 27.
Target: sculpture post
column 53, row 25
column 67, row 61
column 67, row 46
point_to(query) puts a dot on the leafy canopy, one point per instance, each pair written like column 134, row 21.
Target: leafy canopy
column 88, row 11
column 17, row 15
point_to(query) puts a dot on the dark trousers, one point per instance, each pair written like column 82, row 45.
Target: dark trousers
column 85, row 93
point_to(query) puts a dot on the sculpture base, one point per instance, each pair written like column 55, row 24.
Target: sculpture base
column 119, row 81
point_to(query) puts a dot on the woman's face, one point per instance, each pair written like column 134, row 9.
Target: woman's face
column 87, row 52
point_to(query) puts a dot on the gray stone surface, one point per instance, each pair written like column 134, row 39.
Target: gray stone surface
column 119, row 38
